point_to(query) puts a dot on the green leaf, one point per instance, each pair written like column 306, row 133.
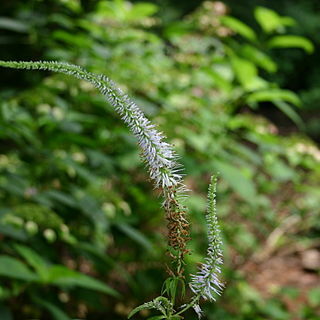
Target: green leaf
column 142, row 10
column 270, row 21
column 238, row 27
column 259, row 58
column 13, row 232
column 61, row 197
column 278, row 169
column 314, row 297
column 146, row 306
column 136, row 236
column 13, row 268
column 170, row 287
column 237, row 180
column 220, row 81
column 247, row 74
column 290, row 41
column 290, row 113
column 157, row 318
column 273, row 95
column 162, row 304
column 34, row 260
column 56, row 312
column 62, row 276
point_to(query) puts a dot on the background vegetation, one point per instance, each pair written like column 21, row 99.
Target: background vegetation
column 234, row 86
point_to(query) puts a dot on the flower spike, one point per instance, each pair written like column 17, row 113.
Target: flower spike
column 206, row 282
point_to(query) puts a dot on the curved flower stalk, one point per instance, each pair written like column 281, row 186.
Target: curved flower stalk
column 164, row 170
column 157, row 154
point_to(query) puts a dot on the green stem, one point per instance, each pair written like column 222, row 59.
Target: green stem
column 189, row 305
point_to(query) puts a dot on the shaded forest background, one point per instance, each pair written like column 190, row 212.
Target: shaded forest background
column 235, row 87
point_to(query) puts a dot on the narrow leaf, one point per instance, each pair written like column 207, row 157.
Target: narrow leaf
column 13, row 268
column 273, row 95
column 237, row 180
column 56, row 312
column 145, row 306
column 289, row 41
column 238, row 27
column 34, row 260
column 136, row 236
column 62, row 276
column 291, row 113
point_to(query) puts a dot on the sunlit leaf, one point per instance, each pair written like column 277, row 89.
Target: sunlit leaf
column 271, row 21
column 259, row 58
column 247, row 74
column 289, row 41
column 141, row 10
column 274, row 95
column 238, row 27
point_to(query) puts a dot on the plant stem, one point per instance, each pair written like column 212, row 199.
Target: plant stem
column 189, row 305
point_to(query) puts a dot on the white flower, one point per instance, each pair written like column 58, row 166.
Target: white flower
column 206, row 283
column 198, row 310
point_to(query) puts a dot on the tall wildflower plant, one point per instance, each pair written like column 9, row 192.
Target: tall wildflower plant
column 165, row 172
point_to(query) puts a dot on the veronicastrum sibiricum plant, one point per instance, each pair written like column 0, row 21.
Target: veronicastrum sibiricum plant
column 165, row 172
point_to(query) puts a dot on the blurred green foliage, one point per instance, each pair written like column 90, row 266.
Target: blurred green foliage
column 83, row 233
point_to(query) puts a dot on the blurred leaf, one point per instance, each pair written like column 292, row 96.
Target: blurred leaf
column 239, row 27
column 270, row 21
column 275, row 310
column 289, row 41
column 141, row 10
column 57, row 313
column 13, row 25
column 124, row 11
column 247, row 74
column 237, row 180
column 62, row 276
column 259, row 58
column 13, row 268
column 34, row 260
column 279, row 170
column 219, row 80
column 273, row 95
column 291, row 113
column 61, row 197
column 136, row 236
column 13, row 232
column 177, row 29
column 314, row 297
